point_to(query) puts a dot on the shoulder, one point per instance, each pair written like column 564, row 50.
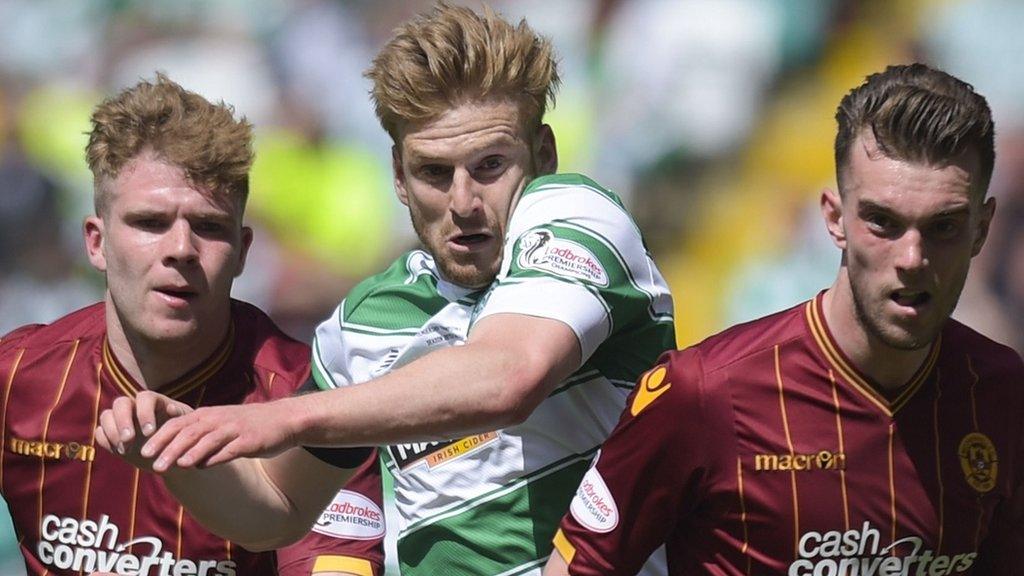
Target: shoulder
column 568, row 225
column 694, row 380
column 554, row 185
column 270, row 349
column 83, row 323
column 985, row 357
column 567, row 196
column 402, row 296
column 705, row 365
column 753, row 338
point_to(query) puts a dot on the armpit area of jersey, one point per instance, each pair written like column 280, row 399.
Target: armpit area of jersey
column 340, row 457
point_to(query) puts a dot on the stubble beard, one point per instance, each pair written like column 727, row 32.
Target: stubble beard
column 465, row 275
column 874, row 325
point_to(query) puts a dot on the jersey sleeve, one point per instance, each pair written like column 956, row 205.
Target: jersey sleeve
column 333, row 354
column 349, row 535
column 573, row 254
column 10, row 341
column 646, row 477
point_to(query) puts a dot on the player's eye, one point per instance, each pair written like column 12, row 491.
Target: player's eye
column 945, row 229
column 149, row 223
column 209, row 227
column 880, row 223
column 434, row 172
column 490, row 168
column 492, row 164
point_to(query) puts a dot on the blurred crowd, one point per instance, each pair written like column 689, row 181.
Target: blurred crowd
column 713, row 119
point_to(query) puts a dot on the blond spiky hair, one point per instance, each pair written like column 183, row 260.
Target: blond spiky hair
column 452, row 54
column 178, row 126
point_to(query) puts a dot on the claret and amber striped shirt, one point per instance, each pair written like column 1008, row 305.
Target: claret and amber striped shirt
column 77, row 508
column 764, row 450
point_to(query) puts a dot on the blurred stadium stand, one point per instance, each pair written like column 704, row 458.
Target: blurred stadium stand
column 712, row 118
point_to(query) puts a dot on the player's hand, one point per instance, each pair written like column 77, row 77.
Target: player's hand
column 129, row 420
column 219, row 434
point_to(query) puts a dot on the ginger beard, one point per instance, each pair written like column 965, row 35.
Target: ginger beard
column 475, row 268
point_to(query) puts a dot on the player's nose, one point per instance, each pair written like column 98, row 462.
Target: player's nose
column 180, row 244
column 464, row 194
column 910, row 252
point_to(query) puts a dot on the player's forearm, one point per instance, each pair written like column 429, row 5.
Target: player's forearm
column 450, row 392
column 239, row 501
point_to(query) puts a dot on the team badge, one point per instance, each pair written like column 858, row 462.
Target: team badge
column 979, row 461
column 652, row 385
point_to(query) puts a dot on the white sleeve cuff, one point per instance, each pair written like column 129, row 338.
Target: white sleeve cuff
column 573, row 304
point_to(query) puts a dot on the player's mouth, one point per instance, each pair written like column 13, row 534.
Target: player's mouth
column 910, row 299
column 176, row 296
column 472, row 242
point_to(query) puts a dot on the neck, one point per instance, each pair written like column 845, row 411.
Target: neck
column 889, row 368
column 155, row 363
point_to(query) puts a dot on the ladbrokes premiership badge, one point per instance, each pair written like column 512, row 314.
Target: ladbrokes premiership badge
column 979, row 461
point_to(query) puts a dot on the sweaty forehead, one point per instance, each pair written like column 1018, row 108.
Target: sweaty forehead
column 465, row 129
column 150, row 184
column 149, row 172
column 870, row 170
column 869, row 165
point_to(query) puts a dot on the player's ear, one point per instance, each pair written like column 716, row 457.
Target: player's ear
column 988, row 209
column 545, row 154
column 832, row 210
column 243, row 251
column 93, row 234
column 399, row 174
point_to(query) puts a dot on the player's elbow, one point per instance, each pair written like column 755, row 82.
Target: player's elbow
column 272, row 531
column 515, row 381
column 520, row 392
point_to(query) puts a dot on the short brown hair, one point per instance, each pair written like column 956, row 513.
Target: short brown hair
column 180, row 127
column 452, row 54
column 917, row 114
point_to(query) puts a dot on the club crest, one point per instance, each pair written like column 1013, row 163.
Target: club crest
column 979, row 461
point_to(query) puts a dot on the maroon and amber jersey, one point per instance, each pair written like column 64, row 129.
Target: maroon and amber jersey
column 763, row 450
column 77, row 508
column 355, row 521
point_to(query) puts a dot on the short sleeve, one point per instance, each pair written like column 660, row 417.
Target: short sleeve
column 573, row 254
column 645, row 478
column 336, row 357
column 349, row 534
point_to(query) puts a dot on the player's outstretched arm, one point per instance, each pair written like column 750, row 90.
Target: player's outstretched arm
column 510, row 363
column 215, row 435
column 261, row 504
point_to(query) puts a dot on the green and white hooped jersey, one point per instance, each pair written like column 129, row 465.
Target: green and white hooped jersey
column 490, row 503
